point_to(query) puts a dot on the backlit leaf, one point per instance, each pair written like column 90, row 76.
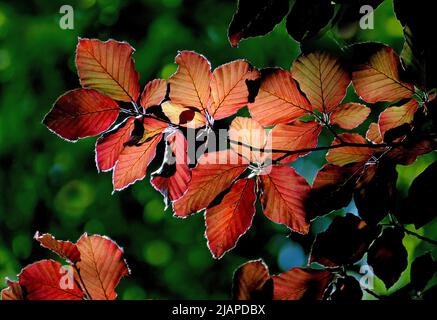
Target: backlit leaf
column 278, row 99
column 172, row 178
column 322, row 78
column 111, row 143
column 251, row 137
column 301, row 284
column 81, row 113
column 108, row 67
column 373, row 134
column 349, row 154
column 394, row 117
column 293, row 136
column 101, row 266
column 228, row 88
column 44, row 280
column 350, row 115
column 252, row 282
column 227, row 221
column 154, row 93
column 284, row 193
column 133, row 160
column 12, row 292
column 190, row 84
column 214, row 173
column 65, row 249
column 377, row 74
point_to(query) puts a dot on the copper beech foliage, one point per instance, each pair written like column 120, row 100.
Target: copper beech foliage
column 93, row 267
column 289, row 110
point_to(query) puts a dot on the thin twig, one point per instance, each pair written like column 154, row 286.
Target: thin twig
column 412, row 233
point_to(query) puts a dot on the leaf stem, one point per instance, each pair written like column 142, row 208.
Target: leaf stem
column 414, row 234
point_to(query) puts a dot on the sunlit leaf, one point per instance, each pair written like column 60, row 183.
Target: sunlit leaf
column 108, row 67
column 284, row 193
column 81, row 113
column 350, row 115
column 278, row 99
column 214, row 173
column 101, row 266
column 154, row 93
column 394, row 117
column 322, row 78
column 377, row 74
column 190, row 85
column 373, row 134
column 13, row 292
column 301, row 284
column 227, row 221
column 349, row 154
column 65, row 249
column 251, row 138
column 293, row 136
column 43, row 280
column 228, row 88
column 111, row 143
column 172, row 178
column 133, row 159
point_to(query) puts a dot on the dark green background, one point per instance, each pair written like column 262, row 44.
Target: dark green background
column 50, row 185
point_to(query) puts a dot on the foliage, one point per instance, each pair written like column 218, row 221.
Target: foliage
column 94, row 267
column 361, row 166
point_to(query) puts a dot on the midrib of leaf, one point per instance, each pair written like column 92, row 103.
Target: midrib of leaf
column 283, row 99
column 228, row 93
column 392, row 79
column 97, row 270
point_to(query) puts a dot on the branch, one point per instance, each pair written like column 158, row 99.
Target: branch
column 418, row 236
column 305, row 150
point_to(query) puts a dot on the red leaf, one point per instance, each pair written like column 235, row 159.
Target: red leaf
column 101, row 267
column 283, row 196
column 64, row 249
column 111, row 143
column 227, row 221
column 190, row 85
column 249, row 134
column 228, row 88
column 214, row 173
column 322, row 79
column 293, row 136
column 108, row 67
column 154, row 93
column 252, row 282
column 12, row 292
column 377, row 77
column 81, row 113
column 350, row 115
column 298, row 284
column 174, row 175
column 133, row 160
column 278, row 100
column 373, row 134
column 349, row 154
column 44, row 280
column 393, row 117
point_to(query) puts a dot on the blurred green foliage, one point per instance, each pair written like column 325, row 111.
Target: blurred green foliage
column 50, row 185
